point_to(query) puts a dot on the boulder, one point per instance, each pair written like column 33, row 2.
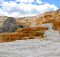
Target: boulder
column 9, row 25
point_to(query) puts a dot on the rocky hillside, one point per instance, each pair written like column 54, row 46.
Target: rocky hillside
column 40, row 26
column 52, row 17
column 10, row 24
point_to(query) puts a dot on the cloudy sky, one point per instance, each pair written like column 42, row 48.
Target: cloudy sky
column 19, row 8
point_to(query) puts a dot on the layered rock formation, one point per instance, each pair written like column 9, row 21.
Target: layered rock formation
column 31, row 27
column 23, row 33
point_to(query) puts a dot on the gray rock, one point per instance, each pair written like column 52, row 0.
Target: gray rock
column 9, row 25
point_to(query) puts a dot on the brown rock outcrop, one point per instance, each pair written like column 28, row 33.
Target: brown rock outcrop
column 24, row 33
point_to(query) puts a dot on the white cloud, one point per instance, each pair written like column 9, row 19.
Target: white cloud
column 30, row 1
column 39, row 2
column 25, row 1
column 16, row 10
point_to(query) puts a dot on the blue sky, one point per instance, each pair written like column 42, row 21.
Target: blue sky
column 56, row 2
column 21, row 8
